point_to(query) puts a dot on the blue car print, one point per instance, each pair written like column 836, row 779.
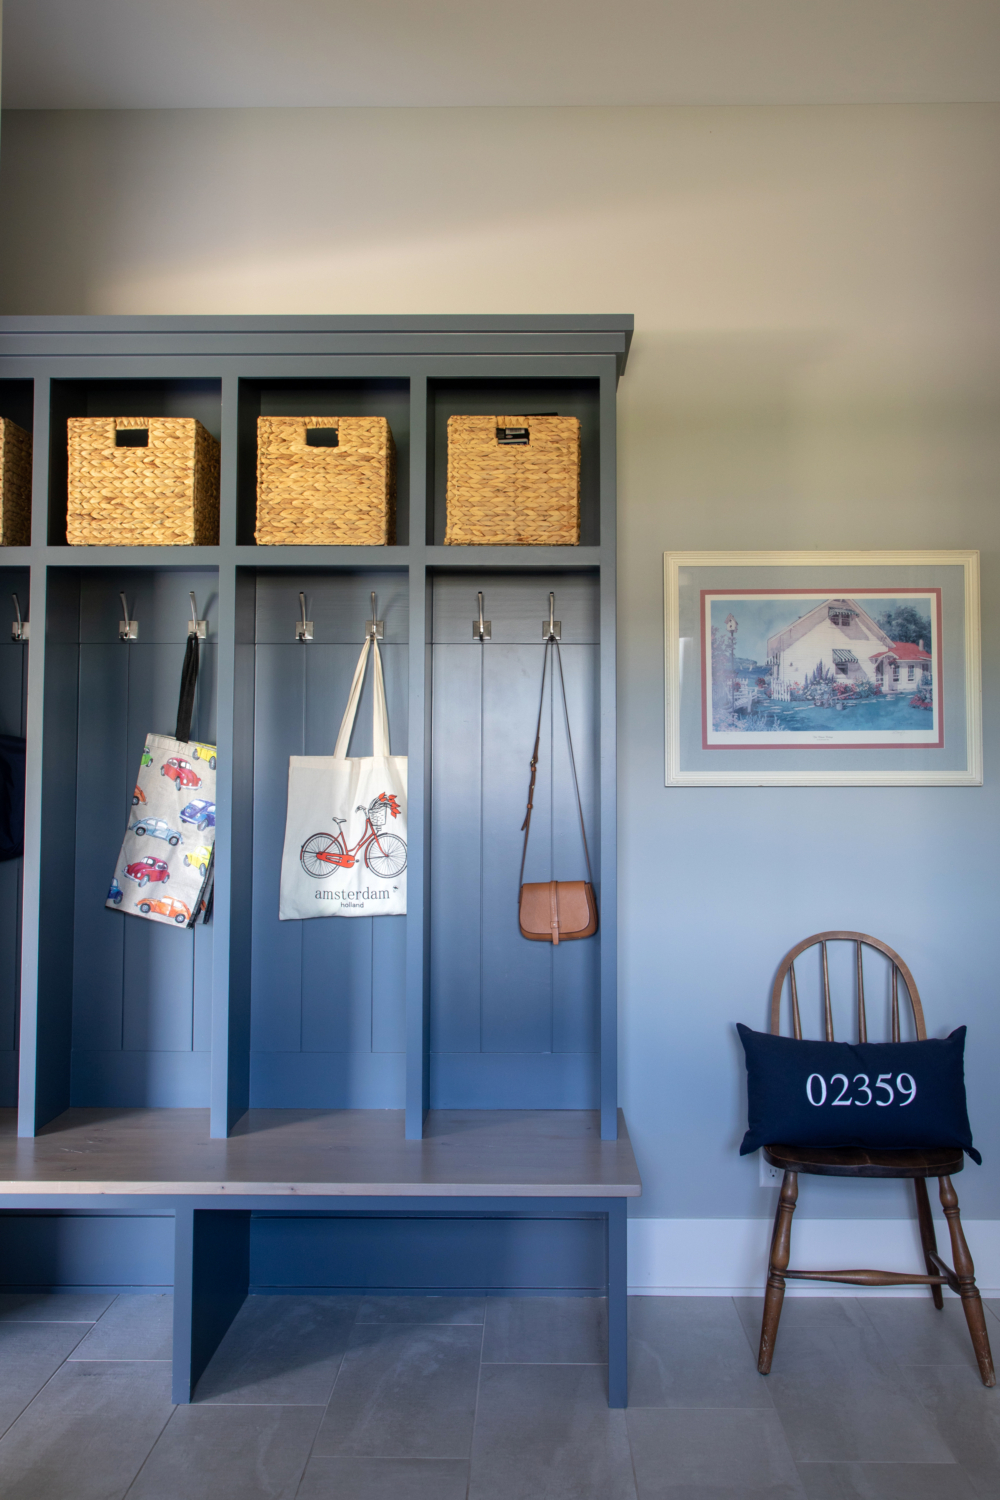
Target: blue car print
column 200, row 813
column 115, row 893
column 157, row 829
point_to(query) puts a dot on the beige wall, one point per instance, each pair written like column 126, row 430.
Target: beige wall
column 816, row 364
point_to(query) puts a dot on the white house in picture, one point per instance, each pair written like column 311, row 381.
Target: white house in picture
column 842, row 637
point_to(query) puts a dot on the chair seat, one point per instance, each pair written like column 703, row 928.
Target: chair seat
column 860, row 1161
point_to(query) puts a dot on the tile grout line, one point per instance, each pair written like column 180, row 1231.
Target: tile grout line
column 905, row 1382
column 628, row 1431
column 902, row 1384
column 753, row 1355
column 211, row 1404
column 329, row 1398
column 887, row 1463
column 555, row 1364
column 166, row 1424
column 61, row 1365
column 152, row 1448
column 475, row 1410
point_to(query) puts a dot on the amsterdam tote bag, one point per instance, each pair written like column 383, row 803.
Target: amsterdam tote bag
column 345, row 830
column 165, row 869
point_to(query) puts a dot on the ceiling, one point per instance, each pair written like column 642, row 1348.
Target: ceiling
column 144, row 54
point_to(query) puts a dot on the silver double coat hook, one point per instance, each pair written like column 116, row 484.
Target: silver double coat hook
column 20, row 630
column 304, row 627
column 481, row 629
column 195, row 626
column 552, row 628
column 128, row 630
column 374, row 628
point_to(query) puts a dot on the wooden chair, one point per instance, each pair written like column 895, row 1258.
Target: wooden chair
column 850, row 1161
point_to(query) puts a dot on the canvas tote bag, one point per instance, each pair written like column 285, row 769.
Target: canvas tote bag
column 165, row 870
column 345, row 830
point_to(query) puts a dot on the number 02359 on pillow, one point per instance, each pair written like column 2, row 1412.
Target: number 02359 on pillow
column 868, row 1094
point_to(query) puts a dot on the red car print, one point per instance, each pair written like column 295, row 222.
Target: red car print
column 145, row 870
column 166, row 906
column 181, row 772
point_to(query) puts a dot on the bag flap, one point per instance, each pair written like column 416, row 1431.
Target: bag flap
column 573, row 905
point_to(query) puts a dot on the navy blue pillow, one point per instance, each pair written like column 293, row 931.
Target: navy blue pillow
column 875, row 1094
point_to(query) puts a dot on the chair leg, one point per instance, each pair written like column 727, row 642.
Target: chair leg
column 774, row 1296
column 927, row 1236
column 965, row 1271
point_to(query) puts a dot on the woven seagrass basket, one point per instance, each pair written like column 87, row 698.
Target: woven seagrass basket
column 338, row 489
column 15, row 484
column 162, row 494
column 513, row 481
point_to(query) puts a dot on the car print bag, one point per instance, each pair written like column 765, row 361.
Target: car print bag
column 165, row 867
column 345, row 831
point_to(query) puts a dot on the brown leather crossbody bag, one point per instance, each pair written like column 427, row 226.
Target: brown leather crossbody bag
column 554, row 911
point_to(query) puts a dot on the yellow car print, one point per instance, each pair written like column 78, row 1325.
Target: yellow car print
column 204, row 752
column 198, row 858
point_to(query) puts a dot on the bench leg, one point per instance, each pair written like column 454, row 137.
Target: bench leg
column 211, row 1276
column 774, row 1296
column 928, row 1239
column 617, row 1223
column 965, row 1271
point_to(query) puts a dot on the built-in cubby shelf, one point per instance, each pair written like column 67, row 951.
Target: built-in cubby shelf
column 447, row 1007
column 17, row 401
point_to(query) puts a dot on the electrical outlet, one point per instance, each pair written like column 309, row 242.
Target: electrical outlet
column 769, row 1176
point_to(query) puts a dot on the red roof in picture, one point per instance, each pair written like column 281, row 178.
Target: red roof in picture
column 904, row 651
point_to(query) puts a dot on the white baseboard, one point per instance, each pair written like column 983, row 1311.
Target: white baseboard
column 728, row 1257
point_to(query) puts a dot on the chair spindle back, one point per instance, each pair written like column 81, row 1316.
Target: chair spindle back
column 859, row 939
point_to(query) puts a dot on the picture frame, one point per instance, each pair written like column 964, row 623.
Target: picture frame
column 822, row 668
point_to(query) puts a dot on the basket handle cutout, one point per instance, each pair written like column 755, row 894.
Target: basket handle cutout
column 132, row 437
column 513, row 436
column 322, row 437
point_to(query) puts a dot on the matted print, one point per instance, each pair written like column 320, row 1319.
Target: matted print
column 847, row 668
column 814, row 668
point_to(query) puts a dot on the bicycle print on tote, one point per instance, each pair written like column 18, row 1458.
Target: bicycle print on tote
column 384, row 854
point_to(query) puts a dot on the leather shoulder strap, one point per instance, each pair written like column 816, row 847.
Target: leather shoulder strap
column 526, row 825
column 572, row 762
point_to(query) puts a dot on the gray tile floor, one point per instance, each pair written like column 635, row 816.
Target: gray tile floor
column 349, row 1398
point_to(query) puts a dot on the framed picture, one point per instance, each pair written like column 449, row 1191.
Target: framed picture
column 822, row 669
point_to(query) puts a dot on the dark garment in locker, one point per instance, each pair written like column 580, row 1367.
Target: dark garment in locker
column 11, row 796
